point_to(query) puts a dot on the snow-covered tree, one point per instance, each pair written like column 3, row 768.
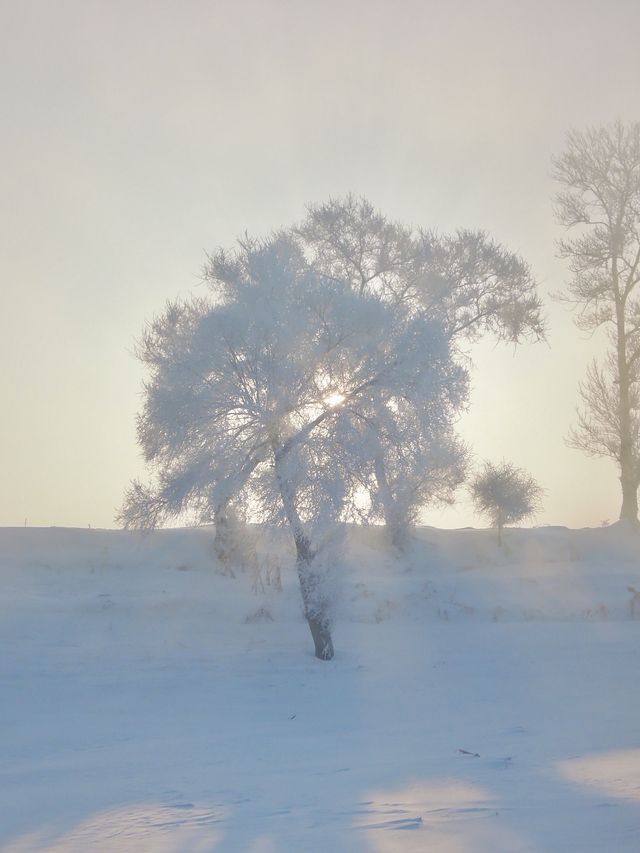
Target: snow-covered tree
column 274, row 396
column 505, row 494
column 599, row 172
column 471, row 284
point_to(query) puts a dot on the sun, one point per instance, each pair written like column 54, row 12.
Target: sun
column 334, row 399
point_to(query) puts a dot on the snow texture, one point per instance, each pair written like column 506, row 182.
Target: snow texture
column 481, row 699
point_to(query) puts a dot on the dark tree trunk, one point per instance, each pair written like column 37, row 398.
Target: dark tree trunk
column 629, row 509
column 313, row 600
column 321, row 637
column 628, row 477
column 315, row 610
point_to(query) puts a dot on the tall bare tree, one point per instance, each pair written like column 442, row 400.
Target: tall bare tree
column 599, row 172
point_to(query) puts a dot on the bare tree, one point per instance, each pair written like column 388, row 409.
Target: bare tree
column 599, row 172
column 598, row 429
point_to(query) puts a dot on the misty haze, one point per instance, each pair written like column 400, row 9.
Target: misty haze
column 321, row 427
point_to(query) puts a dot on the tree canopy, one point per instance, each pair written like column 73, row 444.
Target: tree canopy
column 505, row 494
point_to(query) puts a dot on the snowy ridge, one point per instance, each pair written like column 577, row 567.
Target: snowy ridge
column 547, row 573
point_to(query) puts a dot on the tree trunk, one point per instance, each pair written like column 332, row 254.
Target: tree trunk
column 315, row 610
column 225, row 540
column 313, row 601
column 629, row 509
column 628, row 477
column 396, row 525
column 223, row 544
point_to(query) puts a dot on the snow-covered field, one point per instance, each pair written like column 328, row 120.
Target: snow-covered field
column 480, row 700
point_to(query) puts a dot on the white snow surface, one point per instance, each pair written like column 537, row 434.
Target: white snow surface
column 480, row 701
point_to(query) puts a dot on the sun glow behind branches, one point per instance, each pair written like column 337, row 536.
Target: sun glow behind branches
column 334, row 399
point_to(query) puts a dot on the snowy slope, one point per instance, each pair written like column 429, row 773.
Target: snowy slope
column 480, row 700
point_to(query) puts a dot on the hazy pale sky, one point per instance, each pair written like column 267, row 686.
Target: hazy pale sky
column 139, row 135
